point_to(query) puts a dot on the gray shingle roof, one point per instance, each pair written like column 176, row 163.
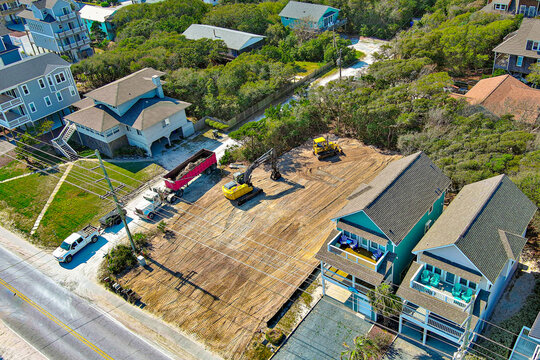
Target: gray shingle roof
column 3, row 29
column 305, row 11
column 40, row 4
column 399, row 196
column 489, row 214
column 234, row 39
column 29, row 68
column 144, row 114
column 454, row 268
column 516, row 44
column 27, row 14
column 127, row 88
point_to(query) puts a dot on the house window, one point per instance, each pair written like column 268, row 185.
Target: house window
column 472, row 285
column 430, row 209
column 139, row 132
column 41, row 83
column 47, row 101
column 59, row 96
column 532, row 11
column 374, row 246
column 60, row 77
column 128, row 129
column 429, row 267
column 523, row 9
column 437, row 271
column 427, row 226
column 32, row 107
column 72, row 91
column 500, row 7
column 535, row 45
column 49, row 80
column 519, row 61
column 463, row 281
column 450, row 278
column 347, row 234
column 364, row 243
column 382, row 248
column 25, row 90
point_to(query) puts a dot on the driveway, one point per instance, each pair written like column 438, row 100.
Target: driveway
column 323, row 331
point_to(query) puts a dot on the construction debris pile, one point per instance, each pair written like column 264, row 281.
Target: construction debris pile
column 189, row 167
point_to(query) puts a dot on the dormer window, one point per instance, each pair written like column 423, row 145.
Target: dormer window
column 500, row 6
column 535, row 45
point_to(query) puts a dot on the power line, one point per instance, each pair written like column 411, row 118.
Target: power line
column 229, row 256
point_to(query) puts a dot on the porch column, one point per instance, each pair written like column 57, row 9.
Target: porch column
column 424, row 335
column 400, row 324
column 322, row 279
column 169, row 139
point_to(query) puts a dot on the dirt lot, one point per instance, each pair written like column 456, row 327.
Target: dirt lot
column 229, row 269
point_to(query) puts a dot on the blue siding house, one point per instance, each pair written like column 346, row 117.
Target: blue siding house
column 380, row 225
column 35, row 88
column 466, row 260
column 313, row 16
column 55, row 25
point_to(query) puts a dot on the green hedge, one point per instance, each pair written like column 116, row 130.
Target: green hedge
column 216, row 124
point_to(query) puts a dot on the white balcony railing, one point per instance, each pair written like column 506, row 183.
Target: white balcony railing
column 10, row 104
column 67, row 32
column 66, row 17
column 441, row 295
column 13, row 123
column 420, row 315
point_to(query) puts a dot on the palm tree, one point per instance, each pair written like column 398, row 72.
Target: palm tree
column 385, row 302
column 364, row 349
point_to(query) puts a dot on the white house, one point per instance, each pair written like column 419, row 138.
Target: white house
column 466, row 260
column 130, row 111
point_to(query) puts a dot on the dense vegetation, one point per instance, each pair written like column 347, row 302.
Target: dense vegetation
column 402, row 104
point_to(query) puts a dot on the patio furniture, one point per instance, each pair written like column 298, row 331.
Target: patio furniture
column 353, row 243
column 424, row 278
column 467, row 295
column 456, row 291
column 343, row 240
column 377, row 254
column 435, row 279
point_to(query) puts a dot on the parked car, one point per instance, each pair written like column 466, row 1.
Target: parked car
column 75, row 242
column 111, row 218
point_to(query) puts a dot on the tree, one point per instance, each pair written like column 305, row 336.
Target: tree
column 364, row 349
column 385, row 302
column 534, row 75
column 97, row 32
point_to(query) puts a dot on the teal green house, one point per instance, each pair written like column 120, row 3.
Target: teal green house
column 377, row 229
column 91, row 14
column 314, row 16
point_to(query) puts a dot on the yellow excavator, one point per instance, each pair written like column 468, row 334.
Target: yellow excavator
column 241, row 189
column 323, row 148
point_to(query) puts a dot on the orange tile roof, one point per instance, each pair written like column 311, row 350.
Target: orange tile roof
column 506, row 95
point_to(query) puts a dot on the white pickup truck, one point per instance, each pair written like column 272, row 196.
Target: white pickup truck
column 75, row 242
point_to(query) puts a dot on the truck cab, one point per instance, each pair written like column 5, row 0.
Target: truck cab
column 75, row 242
column 152, row 200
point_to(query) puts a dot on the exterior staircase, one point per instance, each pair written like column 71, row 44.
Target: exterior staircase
column 61, row 142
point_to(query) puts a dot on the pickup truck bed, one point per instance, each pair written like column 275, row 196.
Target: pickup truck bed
column 87, row 231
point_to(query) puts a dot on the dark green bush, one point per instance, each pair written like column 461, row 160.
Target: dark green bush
column 120, row 258
column 216, row 124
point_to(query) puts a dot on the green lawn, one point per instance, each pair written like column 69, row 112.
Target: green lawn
column 305, row 68
column 23, row 199
column 74, row 208
column 12, row 169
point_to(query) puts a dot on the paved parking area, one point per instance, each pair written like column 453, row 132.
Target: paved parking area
column 322, row 333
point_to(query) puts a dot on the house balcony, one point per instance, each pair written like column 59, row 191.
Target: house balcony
column 66, row 17
column 352, row 250
column 11, row 120
column 69, row 32
column 343, row 279
column 333, row 26
column 433, row 322
column 74, row 45
column 8, row 102
column 434, row 286
column 12, row 8
column 501, row 61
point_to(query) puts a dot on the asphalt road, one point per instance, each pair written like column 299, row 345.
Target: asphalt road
column 59, row 324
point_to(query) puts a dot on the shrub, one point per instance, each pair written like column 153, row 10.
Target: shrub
column 162, row 226
column 120, row 258
column 130, row 151
column 140, row 240
column 229, row 155
column 216, row 124
column 104, row 4
column 275, row 336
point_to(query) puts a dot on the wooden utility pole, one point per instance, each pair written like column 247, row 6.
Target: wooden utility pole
column 118, row 206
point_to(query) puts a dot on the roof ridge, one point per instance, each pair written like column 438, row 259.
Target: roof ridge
column 415, row 157
column 481, row 208
column 496, row 87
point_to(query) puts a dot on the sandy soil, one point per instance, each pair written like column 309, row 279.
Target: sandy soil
column 229, row 269
column 13, row 347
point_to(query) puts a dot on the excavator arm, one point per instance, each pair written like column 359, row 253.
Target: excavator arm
column 269, row 155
